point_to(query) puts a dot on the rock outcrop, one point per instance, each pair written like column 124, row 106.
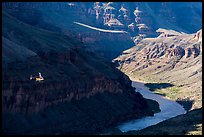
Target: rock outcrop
column 174, row 58
column 143, row 18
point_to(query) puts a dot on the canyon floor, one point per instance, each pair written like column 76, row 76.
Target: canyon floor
column 171, row 66
column 83, row 92
column 189, row 123
column 175, row 60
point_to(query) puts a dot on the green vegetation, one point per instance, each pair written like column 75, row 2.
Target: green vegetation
column 135, row 73
column 155, row 86
column 165, row 89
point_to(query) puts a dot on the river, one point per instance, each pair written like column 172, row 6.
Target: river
column 168, row 108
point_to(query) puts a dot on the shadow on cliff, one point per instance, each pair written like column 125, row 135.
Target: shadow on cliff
column 186, row 103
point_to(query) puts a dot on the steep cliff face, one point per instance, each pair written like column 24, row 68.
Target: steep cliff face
column 70, row 81
column 175, row 59
column 106, row 44
column 61, row 16
column 81, row 93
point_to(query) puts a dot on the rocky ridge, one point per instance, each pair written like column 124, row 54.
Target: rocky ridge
column 143, row 23
column 173, row 59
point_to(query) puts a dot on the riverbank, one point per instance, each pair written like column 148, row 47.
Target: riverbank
column 113, row 130
column 192, row 126
column 168, row 108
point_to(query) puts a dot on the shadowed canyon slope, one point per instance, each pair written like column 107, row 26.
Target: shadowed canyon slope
column 81, row 93
column 59, row 17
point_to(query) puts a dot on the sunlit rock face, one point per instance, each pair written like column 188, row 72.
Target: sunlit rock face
column 173, row 57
